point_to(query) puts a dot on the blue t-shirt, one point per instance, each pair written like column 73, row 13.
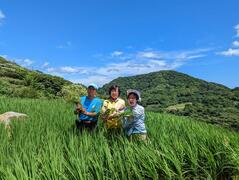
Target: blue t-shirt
column 91, row 105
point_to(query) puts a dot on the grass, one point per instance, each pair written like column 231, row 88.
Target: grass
column 45, row 146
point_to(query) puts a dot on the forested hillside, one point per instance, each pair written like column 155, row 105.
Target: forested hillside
column 181, row 94
column 16, row 81
column 163, row 91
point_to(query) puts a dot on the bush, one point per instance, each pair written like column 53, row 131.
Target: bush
column 71, row 92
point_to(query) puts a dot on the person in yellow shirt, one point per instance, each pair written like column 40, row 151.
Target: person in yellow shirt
column 113, row 106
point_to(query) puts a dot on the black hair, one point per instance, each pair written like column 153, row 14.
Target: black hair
column 137, row 97
column 114, row 87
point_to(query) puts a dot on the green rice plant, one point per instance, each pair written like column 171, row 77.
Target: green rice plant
column 47, row 146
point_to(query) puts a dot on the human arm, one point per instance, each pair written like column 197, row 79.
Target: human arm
column 103, row 110
column 118, row 110
column 94, row 110
column 92, row 114
column 78, row 109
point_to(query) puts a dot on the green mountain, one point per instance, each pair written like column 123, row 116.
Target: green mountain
column 164, row 91
column 16, row 81
column 181, row 94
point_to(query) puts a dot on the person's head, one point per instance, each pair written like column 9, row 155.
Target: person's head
column 114, row 91
column 91, row 90
column 133, row 97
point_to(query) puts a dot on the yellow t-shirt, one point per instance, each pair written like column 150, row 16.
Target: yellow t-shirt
column 118, row 104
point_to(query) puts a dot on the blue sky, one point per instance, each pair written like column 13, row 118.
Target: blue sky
column 97, row 41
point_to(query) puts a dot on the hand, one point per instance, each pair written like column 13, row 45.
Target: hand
column 121, row 108
column 104, row 117
column 83, row 110
column 129, row 117
column 110, row 116
column 77, row 111
column 78, row 106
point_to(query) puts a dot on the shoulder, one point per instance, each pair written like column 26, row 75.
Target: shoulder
column 140, row 108
column 96, row 99
column 83, row 98
column 121, row 101
column 106, row 101
column 138, row 111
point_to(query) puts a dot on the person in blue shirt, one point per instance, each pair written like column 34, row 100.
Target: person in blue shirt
column 89, row 112
column 134, row 125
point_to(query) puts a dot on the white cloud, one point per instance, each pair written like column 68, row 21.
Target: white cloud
column 158, row 63
column 67, row 70
column 173, row 55
column 116, row 53
column 100, row 80
column 27, row 62
column 60, row 47
column 112, row 71
column 229, row 52
column 50, row 69
column 65, row 45
column 237, row 30
column 196, row 56
column 46, row 64
column 2, row 16
column 235, row 43
column 4, row 56
column 132, row 68
column 24, row 62
column 149, row 55
column 232, row 51
column 127, row 65
column 129, row 47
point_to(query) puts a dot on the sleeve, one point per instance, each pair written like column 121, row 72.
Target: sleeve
column 139, row 114
column 104, row 107
column 123, row 105
column 82, row 100
column 124, row 122
column 121, row 108
column 98, row 106
column 143, row 114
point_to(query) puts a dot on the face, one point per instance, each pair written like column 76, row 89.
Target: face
column 91, row 91
column 114, row 93
column 132, row 100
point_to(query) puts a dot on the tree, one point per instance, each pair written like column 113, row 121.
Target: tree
column 71, row 92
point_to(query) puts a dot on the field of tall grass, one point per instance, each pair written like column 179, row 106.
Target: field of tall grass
column 45, row 146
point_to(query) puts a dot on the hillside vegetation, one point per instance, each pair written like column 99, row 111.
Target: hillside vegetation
column 164, row 91
column 16, row 81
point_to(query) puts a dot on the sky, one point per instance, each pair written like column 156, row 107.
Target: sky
column 100, row 40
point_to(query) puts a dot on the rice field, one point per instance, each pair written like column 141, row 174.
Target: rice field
column 46, row 146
